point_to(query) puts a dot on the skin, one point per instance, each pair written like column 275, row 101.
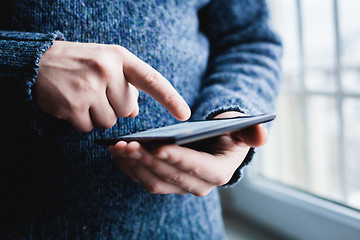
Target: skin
column 87, row 84
column 182, row 170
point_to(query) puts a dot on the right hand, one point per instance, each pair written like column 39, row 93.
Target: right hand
column 90, row 85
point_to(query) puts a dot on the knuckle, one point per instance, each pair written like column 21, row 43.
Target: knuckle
column 78, row 108
column 132, row 106
column 152, row 163
column 152, row 188
column 117, row 49
column 201, row 193
column 108, row 123
column 222, row 179
column 117, row 53
column 80, row 122
column 107, row 63
column 198, row 170
column 176, row 178
column 84, row 129
column 122, row 111
column 127, row 109
column 152, row 78
column 81, row 127
column 114, row 51
column 134, row 113
column 171, row 99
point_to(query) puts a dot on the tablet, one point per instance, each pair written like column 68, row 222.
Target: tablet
column 188, row 132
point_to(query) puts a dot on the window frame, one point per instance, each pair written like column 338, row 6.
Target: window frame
column 284, row 209
column 289, row 211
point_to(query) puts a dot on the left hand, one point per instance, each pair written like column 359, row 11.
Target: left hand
column 181, row 170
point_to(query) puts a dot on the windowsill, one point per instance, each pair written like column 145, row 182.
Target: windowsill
column 238, row 227
column 290, row 212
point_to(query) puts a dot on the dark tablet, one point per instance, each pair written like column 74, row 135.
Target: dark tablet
column 187, row 132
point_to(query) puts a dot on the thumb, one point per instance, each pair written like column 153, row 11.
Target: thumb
column 254, row 136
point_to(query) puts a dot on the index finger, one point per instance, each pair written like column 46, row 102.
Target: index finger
column 147, row 79
column 215, row 169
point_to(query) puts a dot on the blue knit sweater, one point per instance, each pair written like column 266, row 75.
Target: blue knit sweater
column 55, row 182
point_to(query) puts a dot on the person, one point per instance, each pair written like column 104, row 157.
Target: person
column 75, row 71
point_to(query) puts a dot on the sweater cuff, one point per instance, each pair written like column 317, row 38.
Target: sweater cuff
column 21, row 53
column 210, row 109
column 238, row 172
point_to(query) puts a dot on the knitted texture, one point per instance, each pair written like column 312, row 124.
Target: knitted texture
column 56, row 183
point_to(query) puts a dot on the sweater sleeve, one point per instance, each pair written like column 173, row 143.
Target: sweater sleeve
column 20, row 53
column 243, row 70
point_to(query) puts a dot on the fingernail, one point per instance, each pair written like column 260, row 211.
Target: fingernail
column 135, row 155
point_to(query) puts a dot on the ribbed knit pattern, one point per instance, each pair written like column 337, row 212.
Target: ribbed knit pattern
column 55, row 182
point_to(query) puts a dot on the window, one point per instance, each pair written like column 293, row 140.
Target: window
column 305, row 183
column 316, row 139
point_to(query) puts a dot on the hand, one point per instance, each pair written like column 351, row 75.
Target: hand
column 90, row 85
column 181, row 170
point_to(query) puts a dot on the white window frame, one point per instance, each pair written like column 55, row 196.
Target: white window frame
column 289, row 211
